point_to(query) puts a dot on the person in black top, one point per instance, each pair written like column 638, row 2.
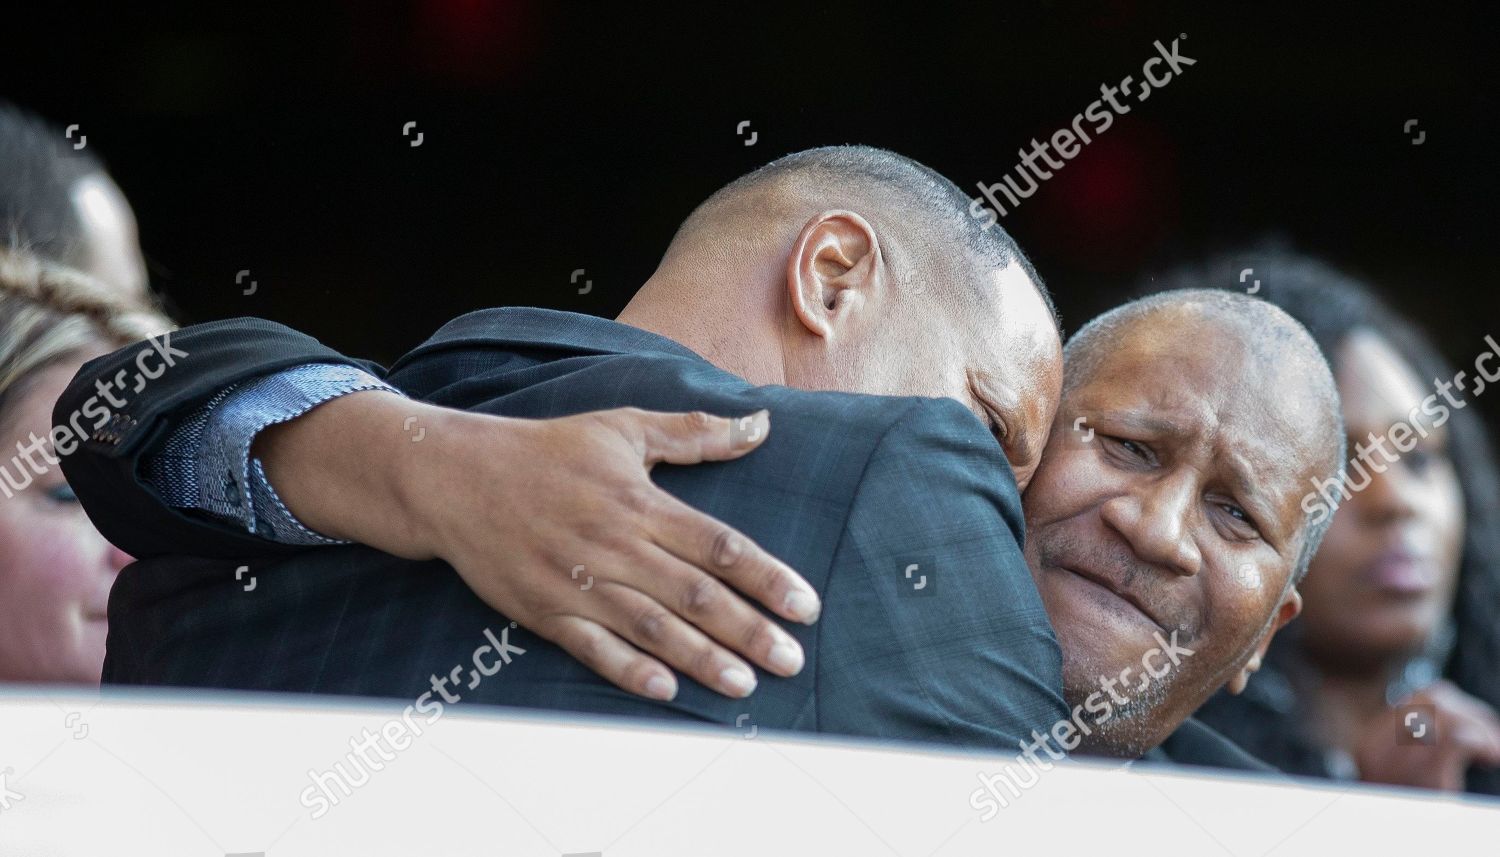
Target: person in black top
column 1390, row 675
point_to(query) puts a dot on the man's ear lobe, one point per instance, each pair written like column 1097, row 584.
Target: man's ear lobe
column 1286, row 611
column 834, row 266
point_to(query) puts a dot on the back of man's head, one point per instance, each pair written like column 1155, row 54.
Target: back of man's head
column 857, row 269
column 57, row 202
column 925, row 215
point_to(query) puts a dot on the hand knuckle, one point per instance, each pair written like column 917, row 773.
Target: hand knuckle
column 700, row 596
column 696, row 421
column 773, row 582
column 705, row 662
column 532, row 602
column 639, row 500
column 589, row 648
column 726, row 548
column 650, row 625
column 593, row 529
column 756, row 636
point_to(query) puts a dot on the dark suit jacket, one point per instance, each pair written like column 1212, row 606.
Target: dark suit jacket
column 850, row 490
column 1196, row 744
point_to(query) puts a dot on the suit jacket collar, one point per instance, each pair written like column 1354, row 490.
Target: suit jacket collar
column 532, row 327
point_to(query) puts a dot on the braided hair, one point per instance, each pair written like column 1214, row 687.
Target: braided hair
column 49, row 313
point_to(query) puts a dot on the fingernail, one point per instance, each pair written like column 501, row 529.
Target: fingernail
column 661, row 687
column 786, row 657
column 738, row 680
column 748, row 431
column 803, row 605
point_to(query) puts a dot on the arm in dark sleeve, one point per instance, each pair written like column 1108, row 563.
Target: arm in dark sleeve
column 120, row 410
column 933, row 628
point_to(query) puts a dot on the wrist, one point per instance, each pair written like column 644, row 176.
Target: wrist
column 339, row 467
column 433, row 459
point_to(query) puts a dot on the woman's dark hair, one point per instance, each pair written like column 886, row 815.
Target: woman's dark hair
column 1333, row 305
column 37, row 213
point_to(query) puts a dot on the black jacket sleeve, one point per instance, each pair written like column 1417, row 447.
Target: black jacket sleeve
column 120, row 408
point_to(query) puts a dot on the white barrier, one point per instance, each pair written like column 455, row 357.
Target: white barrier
column 171, row 774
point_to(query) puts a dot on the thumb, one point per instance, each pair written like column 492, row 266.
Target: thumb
column 688, row 438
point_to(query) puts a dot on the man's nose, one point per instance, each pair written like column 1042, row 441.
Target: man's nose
column 1154, row 519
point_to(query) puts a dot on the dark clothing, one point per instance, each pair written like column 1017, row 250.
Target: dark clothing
column 1265, row 721
column 901, row 513
column 1196, row 744
column 1269, row 722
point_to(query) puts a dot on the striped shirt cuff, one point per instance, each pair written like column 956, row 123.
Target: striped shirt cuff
column 205, row 465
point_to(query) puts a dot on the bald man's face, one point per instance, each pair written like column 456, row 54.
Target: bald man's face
column 1163, row 524
column 1013, row 374
column 999, row 354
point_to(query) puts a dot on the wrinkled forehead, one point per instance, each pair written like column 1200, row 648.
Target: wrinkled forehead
column 1216, row 393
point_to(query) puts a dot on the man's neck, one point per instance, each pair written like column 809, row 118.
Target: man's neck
column 735, row 337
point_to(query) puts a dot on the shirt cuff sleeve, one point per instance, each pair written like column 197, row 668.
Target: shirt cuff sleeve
column 205, row 465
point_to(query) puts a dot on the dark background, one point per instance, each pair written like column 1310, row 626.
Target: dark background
column 558, row 137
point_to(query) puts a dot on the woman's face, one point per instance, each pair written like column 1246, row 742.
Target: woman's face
column 1385, row 574
column 55, row 568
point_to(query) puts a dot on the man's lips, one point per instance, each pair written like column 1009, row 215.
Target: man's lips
column 1118, row 591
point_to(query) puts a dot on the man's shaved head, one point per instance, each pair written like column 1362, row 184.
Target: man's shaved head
column 923, row 213
column 856, row 269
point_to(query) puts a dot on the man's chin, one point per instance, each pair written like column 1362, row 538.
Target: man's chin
column 1109, row 727
column 1125, row 741
column 1124, row 708
column 1095, row 621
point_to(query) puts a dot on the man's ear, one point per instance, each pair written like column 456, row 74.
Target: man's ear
column 834, row 268
column 1291, row 605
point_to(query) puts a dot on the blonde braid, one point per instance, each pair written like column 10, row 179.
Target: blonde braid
column 49, row 312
